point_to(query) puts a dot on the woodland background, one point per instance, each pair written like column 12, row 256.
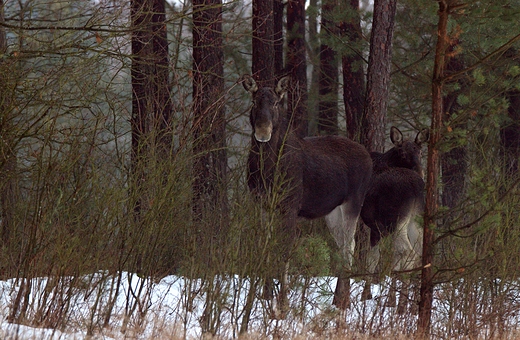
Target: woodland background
column 124, row 136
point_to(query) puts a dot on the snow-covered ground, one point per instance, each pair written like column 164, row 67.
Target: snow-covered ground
column 175, row 308
column 174, row 304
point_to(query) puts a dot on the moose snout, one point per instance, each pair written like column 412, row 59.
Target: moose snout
column 263, row 132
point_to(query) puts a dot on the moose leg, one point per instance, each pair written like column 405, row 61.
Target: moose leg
column 279, row 306
column 372, row 262
column 404, row 259
column 267, row 293
column 283, row 301
column 402, row 305
column 390, row 299
column 289, row 240
column 415, row 237
column 342, row 225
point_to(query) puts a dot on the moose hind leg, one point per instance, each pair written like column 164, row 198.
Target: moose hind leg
column 342, row 225
column 405, row 258
column 372, row 262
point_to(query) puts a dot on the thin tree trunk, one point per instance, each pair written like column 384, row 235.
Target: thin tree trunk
column 263, row 43
column 278, row 6
column 297, row 66
column 378, row 75
column 313, row 52
column 433, row 173
column 328, row 80
column 353, row 74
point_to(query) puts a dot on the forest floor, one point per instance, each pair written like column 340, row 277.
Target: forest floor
column 177, row 308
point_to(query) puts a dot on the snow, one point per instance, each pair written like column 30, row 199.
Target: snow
column 174, row 307
column 174, row 303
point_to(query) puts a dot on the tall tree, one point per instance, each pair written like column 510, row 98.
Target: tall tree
column 210, row 162
column 8, row 184
column 433, row 172
column 353, row 74
column 313, row 56
column 278, row 7
column 353, row 92
column 297, row 66
column 151, row 105
column 328, row 78
column 378, row 75
column 263, row 63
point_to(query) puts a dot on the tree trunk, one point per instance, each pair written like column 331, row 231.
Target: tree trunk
column 313, row 52
column 433, row 173
column 297, row 66
column 353, row 75
column 210, row 162
column 378, row 75
column 151, row 105
column 263, row 43
column 328, row 81
column 163, row 104
column 8, row 159
column 278, row 37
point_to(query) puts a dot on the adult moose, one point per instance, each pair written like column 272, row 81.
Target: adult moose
column 393, row 204
column 317, row 176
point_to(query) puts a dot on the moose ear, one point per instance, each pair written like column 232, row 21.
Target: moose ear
column 422, row 137
column 249, row 83
column 396, row 136
column 282, row 86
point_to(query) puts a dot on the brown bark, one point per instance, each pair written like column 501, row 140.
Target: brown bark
column 353, row 75
column 8, row 183
column 278, row 6
column 163, row 104
column 263, row 43
column 313, row 54
column 378, row 75
column 151, row 105
column 328, row 79
column 143, row 82
column 433, row 173
column 297, row 66
column 210, row 162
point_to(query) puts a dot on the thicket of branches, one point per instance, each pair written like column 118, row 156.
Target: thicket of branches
column 79, row 195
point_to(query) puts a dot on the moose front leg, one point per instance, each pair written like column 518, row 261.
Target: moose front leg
column 342, row 226
column 287, row 237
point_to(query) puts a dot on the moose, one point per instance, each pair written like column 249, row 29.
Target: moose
column 324, row 176
column 393, row 203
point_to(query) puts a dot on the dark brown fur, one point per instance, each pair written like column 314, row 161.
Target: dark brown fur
column 394, row 201
column 318, row 176
column 397, row 185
